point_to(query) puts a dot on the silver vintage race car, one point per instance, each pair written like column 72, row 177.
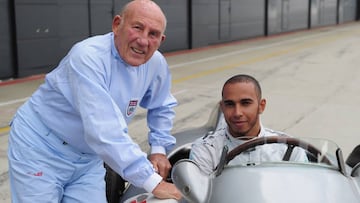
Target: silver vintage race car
column 325, row 177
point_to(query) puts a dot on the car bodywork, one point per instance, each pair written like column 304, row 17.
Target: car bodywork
column 326, row 177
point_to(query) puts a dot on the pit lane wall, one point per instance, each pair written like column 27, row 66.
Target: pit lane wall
column 36, row 34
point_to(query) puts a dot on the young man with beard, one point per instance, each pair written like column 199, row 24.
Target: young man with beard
column 241, row 104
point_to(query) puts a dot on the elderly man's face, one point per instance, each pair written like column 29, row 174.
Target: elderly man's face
column 139, row 33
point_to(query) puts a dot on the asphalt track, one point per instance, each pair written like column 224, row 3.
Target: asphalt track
column 310, row 79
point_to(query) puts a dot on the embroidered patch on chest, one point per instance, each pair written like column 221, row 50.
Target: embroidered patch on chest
column 131, row 108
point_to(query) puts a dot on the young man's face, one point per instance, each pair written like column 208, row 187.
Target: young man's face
column 241, row 108
column 139, row 33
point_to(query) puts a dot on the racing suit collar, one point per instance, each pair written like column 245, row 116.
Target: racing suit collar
column 232, row 139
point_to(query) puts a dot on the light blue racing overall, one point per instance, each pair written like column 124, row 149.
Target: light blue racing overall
column 78, row 118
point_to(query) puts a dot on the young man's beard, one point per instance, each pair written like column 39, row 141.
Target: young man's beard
column 245, row 135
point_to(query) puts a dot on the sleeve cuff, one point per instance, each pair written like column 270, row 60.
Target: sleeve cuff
column 158, row 150
column 152, row 182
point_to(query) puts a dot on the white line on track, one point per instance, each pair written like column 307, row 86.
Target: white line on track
column 13, row 101
column 180, row 92
column 255, row 48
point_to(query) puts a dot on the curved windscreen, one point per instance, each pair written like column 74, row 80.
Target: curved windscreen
column 284, row 149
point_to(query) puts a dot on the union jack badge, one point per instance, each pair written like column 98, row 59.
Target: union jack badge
column 131, row 107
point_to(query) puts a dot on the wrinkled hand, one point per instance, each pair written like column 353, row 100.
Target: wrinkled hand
column 161, row 164
column 166, row 191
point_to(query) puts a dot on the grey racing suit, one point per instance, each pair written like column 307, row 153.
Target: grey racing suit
column 206, row 151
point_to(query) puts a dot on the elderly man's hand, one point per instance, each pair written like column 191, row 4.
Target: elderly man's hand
column 161, row 164
column 166, row 191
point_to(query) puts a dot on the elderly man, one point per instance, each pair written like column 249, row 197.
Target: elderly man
column 78, row 118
